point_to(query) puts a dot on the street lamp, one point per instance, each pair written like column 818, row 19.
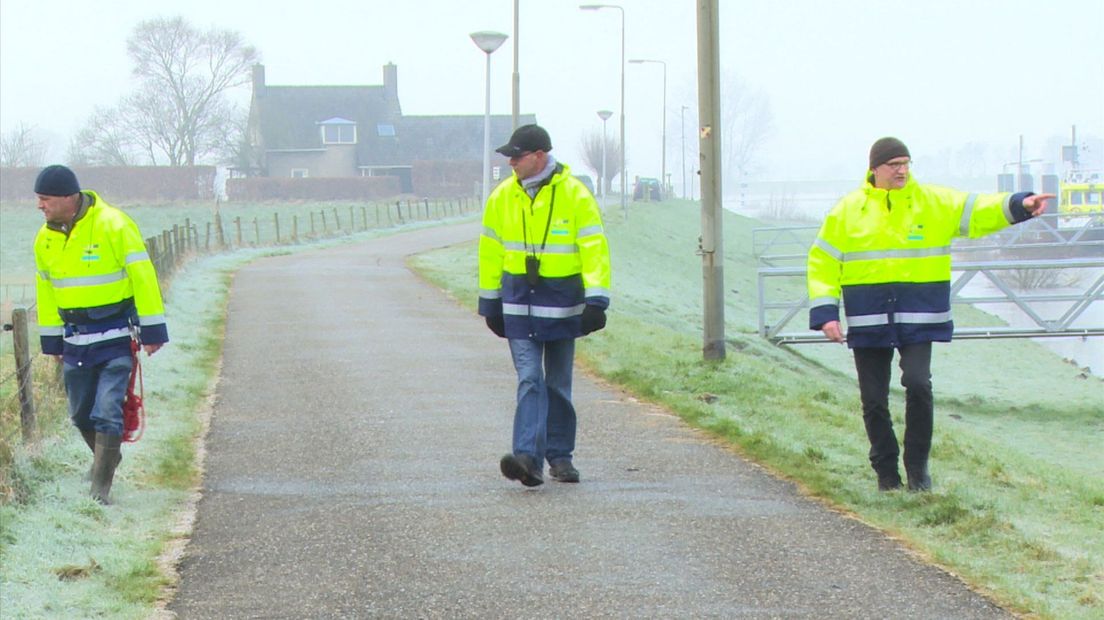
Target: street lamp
column 602, row 184
column 595, row 7
column 517, row 77
column 488, row 42
column 662, row 118
column 682, row 121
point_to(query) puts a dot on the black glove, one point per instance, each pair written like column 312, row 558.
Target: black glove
column 593, row 319
column 497, row 325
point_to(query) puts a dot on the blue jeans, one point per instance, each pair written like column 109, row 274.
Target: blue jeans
column 544, row 421
column 96, row 394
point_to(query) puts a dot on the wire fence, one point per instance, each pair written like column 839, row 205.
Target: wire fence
column 169, row 250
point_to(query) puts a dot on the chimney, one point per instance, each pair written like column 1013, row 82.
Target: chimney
column 391, row 81
column 258, row 81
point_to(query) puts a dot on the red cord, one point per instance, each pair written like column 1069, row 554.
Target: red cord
column 134, row 413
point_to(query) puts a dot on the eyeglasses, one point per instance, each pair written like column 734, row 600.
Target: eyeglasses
column 897, row 166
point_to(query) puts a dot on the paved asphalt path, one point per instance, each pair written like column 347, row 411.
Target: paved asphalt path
column 352, row 472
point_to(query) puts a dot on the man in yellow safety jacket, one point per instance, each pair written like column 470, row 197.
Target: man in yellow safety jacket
column 544, row 280
column 884, row 252
column 96, row 289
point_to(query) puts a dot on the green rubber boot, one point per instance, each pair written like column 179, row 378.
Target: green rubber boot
column 103, row 466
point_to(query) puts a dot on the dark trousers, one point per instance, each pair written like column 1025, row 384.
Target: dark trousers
column 873, row 366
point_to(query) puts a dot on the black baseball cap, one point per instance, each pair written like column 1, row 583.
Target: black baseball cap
column 526, row 138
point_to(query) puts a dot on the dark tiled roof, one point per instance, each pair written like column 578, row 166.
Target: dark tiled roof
column 446, row 137
column 290, row 114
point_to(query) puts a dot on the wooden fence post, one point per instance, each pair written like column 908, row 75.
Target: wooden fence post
column 154, row 253
column 23, row 374
column 337, row 221
column 237, row 223
column 276, row 222
column 295, row 229
column 166, row 250
column 256, row 232
column 218, row 231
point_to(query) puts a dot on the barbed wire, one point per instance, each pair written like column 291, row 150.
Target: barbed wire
column 17, row 371
column 7, row 328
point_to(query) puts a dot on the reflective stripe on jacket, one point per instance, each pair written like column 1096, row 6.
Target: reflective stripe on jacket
column 93, row 283
column 887, row 254
column 574, row 261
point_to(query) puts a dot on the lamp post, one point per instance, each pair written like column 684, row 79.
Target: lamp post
column 488, row 42
column 517, row 77
column 595, row 7
column 682, row 121
column 602, row 184
column 662, row 119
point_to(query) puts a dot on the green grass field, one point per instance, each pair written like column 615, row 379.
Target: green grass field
column 243, row 224
column 1018, row 507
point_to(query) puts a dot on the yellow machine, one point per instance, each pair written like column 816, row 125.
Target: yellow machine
column 1081, row 196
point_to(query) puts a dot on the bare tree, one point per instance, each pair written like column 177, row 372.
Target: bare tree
column 105, row 140
column 22, row 146
column 591, row 146
column 746, row 122
column 180, row 112
column 971, row 159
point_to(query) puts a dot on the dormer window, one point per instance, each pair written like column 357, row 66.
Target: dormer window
column 338, row 131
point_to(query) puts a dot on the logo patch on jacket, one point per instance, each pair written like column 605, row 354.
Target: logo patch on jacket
column 916, row 233
column 90, row 252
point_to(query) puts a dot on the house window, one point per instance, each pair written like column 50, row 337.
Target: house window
column 339, row 134
column 386, row 130
column 299, row 173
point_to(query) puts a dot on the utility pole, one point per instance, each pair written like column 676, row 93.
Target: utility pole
column 709, row 137
column 682, row 122
column 1019, row 168
column 516, row 90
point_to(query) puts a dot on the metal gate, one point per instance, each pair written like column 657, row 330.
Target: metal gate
column 991, row 270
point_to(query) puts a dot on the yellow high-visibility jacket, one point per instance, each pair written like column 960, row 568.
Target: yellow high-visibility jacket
column 94, row 282
column 561, row 227
column 887, row 255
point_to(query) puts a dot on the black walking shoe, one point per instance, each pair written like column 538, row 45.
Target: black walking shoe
column 520, row 467
column 889, row 482
column 563, row 471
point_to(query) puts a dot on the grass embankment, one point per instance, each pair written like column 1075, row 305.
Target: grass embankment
column 61, row 554
column 1018, row 505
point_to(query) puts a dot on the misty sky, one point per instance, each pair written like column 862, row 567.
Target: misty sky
column 938, row 74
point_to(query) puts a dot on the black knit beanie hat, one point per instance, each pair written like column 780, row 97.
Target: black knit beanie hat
column 56, row 180
column 886, row 149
